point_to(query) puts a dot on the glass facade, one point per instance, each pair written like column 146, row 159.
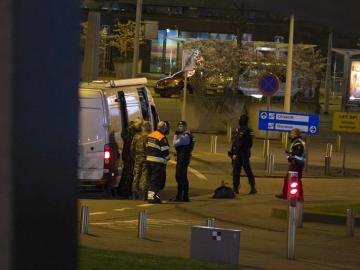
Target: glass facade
column 166, row 49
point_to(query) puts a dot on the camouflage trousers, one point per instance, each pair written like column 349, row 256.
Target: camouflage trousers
column 140, row 184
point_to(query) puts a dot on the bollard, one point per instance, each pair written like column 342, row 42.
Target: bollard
column 291, row 233
column 329, row 150
column 284, row 140
column 215, row 144
column 84, row 222
column 142, row 224
column 229, row 135
column 293, row 195
column 266, row 152
column 350, row 222
column 343, row 160
column 300, row 219
column 266, row 148
column 270, row 164
column 327, row 165
column 211, row 222
column 338, row 143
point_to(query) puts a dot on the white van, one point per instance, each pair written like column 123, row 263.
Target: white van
column 106, row 109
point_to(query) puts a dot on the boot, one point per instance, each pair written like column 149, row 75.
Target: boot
column 186, row 197
column 252, row 190
column 236, row 189
column 153, row 197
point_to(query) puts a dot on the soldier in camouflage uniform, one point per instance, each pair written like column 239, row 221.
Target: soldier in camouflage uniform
column 137, row 152
column 128, row 163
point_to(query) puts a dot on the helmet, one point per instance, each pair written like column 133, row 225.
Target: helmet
column 181, row 127
column 244, row 119
column 182, row 123
column 164, row 127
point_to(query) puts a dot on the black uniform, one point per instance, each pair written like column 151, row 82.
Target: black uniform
column 241, row 147
column 183, row 145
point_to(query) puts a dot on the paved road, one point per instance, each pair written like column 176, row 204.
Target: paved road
column 113, row 223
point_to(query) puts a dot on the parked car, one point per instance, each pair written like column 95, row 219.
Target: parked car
column 173, row 85
column 106, row 109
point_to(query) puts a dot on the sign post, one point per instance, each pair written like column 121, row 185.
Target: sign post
column 293, row 193
column 188, row 64
column 268, row 85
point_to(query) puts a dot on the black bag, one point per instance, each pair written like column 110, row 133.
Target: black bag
column 223, row 192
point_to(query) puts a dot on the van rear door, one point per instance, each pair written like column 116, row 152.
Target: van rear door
column 92, row 136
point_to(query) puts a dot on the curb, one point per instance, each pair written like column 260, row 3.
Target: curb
column 315, row 217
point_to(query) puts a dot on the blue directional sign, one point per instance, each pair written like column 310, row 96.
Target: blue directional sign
column 284, row 122
column 268, row 84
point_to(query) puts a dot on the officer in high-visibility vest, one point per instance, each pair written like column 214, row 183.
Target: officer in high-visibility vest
column 157, row 156
column 296, row 160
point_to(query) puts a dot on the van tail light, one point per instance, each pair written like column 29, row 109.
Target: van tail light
column 107, row 156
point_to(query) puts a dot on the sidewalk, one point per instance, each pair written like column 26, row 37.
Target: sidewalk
column 316, row 147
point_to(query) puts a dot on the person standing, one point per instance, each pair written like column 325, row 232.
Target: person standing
column 157, row 156
column 128, row 163
column 184, row 144
column 296, row 160
column 137, row 152
column 242, row 142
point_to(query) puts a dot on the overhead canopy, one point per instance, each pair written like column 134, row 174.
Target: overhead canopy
column 342, row 16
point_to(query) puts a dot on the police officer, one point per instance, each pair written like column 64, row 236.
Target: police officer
column 184, row 144
column 137, row 151
column 127, row 173
column 242, row 142
column 296, row 160
column 157, row 156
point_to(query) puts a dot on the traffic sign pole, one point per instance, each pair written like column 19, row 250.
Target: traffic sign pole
column 267, row 144
column 287, row 99
column 184, row 97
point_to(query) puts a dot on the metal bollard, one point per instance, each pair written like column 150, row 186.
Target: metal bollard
column 300, row 218
column 211, row 222
column 284, row 140
column 329, row 150
column 338, row 143
column 270, row 164
column 213, row 146
column 266, row 148
column 291, row 233
column 84, row 222
column 229, row 135
column 344, row 160
column 327, row 165
column 142, row 225
column 350, row 222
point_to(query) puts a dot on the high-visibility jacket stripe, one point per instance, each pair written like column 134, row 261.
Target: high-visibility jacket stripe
column 156, row 159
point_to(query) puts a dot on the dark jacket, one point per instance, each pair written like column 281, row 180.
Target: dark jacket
column 157, row 148
column 296, row 153
column 242, row 141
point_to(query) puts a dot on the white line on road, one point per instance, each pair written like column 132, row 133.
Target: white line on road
column 145, row 205
column 98, row 213
column 192, row 170
column 122, row 209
